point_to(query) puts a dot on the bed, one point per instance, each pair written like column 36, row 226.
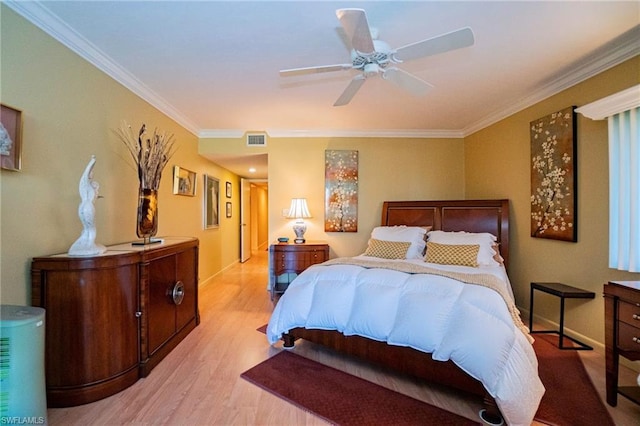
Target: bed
column 475, row 343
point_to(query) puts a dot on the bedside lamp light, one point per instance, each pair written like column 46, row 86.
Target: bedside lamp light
column 299, row 211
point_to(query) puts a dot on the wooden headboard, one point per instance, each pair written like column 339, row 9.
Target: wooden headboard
column 453, row 215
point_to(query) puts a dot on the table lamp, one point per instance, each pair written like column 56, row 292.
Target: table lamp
column 299, row 211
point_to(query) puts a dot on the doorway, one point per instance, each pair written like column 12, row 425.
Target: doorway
column 254, row 215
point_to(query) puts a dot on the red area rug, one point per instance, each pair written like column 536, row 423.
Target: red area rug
column 340, row 398
column 570, row 399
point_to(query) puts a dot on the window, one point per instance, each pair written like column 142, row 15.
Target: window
column 622, row 111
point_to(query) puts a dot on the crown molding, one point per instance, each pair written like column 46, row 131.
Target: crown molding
column 36, row 13
column 336, row 133
column 611, row 105
column 221, row 134
column 623, row 48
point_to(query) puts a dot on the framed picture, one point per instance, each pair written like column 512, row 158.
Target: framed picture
column 184, row 181
column 211, row 202
column 228, row 189
column 10, row 138
column 228, row 209
column 554, row 176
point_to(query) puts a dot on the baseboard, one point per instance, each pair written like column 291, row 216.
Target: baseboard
column 205, row 282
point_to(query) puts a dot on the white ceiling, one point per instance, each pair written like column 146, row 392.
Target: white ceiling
column 213, row 65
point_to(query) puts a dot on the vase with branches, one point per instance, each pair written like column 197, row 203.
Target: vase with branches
column 150, row 155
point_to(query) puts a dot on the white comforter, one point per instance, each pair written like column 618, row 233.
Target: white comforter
column 469, row 324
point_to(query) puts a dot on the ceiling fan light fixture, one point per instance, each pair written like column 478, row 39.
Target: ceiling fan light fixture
column 371, row 69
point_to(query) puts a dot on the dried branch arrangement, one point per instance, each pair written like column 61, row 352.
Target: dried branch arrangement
column 150, row 155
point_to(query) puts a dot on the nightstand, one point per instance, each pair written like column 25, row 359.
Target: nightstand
column 286, row 259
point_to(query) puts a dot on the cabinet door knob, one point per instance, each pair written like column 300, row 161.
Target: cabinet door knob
column 635, row 339
column 138, row 314
column 636, row 317
column 177, row 293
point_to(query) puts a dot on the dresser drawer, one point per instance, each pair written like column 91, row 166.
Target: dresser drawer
column 629, row 313
column 628, row 337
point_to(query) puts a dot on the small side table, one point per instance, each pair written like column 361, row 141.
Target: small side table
column 562, row 291
column 285, row 258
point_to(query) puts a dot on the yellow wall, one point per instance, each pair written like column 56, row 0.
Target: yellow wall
column 497, row 165
column 69, row 112
column 389, row 169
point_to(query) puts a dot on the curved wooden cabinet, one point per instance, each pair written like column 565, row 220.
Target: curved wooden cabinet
column 111, row 318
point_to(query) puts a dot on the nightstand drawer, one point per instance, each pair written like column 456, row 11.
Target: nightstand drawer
column 628, row 337
column 629, row 313
column 315, row 256
column 289, row 261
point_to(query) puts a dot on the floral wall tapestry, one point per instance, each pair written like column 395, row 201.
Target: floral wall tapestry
column 341, row 191
column 554, row 177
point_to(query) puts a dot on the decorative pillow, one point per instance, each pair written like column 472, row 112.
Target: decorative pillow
column 426, row 230
column 387, row 249
column 485, row 240
column 453, row 254
column 497, row 257
column 411, row 234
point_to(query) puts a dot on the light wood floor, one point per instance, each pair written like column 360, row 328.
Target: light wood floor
column 199, row 382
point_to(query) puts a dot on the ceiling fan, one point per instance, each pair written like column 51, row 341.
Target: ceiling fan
column 372, row 56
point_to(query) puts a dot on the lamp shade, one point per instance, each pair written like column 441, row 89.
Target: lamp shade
column 299, row 209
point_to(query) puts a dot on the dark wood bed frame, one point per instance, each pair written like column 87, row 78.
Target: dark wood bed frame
column 467, row 215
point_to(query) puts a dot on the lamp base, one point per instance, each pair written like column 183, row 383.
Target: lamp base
column 299, row 228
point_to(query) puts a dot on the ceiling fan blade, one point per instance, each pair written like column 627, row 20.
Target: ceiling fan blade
column 314, row 70
column 351, row 90
column 354, row 22
column 406, row 81
column 440, row 44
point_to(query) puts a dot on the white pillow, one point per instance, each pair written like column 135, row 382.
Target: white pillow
column 411, row 234
column 485, row 240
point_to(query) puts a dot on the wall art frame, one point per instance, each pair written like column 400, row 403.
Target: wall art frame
column 341, row 191
column 10, row 138
column 228, row 209
column 554, row 176
column 184, row 181
column 228, row 189
column 211, row 202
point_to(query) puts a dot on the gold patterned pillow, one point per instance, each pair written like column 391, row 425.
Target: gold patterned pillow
column 449, row 254
column 387, row 249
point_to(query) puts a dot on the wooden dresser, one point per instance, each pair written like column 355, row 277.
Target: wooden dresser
column 111, row 318
column 622, row 334
column 285, row 258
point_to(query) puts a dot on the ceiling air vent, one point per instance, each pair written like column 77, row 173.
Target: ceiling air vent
column 257, row 139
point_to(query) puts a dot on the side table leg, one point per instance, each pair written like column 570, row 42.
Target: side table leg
column 561, row 331
column 531, row 310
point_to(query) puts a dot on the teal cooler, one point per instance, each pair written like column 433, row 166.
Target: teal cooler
column 23, row 397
